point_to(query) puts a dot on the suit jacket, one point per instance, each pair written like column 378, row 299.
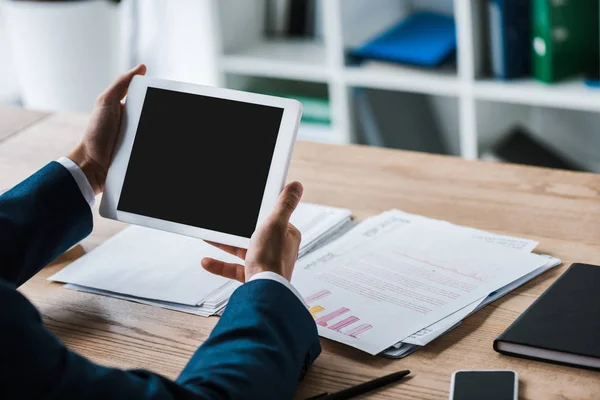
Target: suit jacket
column 262, row 345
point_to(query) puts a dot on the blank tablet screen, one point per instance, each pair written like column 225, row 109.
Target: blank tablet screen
column 200, row 161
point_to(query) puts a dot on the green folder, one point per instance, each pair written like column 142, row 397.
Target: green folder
column 314, row 109
column 565, row 38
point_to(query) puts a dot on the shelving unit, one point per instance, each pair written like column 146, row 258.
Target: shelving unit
column 571, row 94
column 300, row 59
column 391, row 77
column 244, row 50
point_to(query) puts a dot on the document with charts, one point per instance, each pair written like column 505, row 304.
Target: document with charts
column 370, row 296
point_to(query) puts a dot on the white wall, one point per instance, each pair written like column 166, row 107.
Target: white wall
column 9, row 88
column 177, row 40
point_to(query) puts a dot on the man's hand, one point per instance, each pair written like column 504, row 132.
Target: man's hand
column 94, row 153
column 273, row 247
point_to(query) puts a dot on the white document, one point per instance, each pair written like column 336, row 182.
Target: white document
column 526, row 245
column 317, row 223
column 372, row 295
column 159, row 268
column 205, row 310
column 151, row 264
column 432, row 332
column 392, row 221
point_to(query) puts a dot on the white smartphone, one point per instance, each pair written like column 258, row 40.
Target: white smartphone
column 488, row 385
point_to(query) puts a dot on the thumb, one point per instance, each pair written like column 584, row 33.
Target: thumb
column 118, row 89
column 288, row 201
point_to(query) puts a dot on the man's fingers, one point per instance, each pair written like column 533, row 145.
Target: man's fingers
column 288, row 201
column 226, row 270
column 118, row 90
column 236, row 251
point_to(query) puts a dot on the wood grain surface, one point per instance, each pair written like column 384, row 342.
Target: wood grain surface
column 559, row 209
column 13, row 119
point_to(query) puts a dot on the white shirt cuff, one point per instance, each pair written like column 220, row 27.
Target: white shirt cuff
column 80, row 179
column 278, row 278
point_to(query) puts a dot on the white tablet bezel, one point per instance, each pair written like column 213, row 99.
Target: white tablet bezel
column 292, row 111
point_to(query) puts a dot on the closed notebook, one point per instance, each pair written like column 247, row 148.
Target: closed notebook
column 563, row 325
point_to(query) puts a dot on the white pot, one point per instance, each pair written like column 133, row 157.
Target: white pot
column 65, row 53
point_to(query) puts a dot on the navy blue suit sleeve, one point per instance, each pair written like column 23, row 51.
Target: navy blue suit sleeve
column 266, row 329
column 40, row 219
column 36, row 365
column 259, row 349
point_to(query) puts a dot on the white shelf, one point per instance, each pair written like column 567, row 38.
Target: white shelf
column 302, row 60
column 395, row 77
column 319, row 133
column 571, row 94
column 483, row 108
column 290, row 59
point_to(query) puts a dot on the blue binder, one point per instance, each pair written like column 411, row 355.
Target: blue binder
column 510, row 35
column 424, row 39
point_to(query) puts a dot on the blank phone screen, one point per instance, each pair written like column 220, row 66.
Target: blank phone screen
column 488, row 385
column 200, row 161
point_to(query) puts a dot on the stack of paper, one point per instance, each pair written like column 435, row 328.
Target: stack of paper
column 392, row 284
column 212, row 306
column 398, row 281
column 318, row 224
column 163, row 269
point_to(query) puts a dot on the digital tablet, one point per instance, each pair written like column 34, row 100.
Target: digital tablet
column 199, row 161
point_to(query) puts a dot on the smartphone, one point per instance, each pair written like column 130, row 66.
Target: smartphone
column 488, row 385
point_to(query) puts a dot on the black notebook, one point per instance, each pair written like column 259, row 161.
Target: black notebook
column 563, row 325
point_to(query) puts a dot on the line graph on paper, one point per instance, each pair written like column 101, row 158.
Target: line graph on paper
column 467, row 273
column 338, row 320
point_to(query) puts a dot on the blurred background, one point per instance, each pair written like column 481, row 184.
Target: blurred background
column 507, row 80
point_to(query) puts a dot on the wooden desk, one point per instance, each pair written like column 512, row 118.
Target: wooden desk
column 559, row 209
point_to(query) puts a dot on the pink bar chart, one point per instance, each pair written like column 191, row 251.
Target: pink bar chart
column 358, row 330
column 335, row 320
column 343, row 323
column 317, row 296
column 332, row 315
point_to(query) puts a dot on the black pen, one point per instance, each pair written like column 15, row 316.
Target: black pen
column 363, row 387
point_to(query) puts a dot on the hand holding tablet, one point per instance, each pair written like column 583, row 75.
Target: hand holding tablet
column 199, row 161
column 94, row 153
column 273, row 247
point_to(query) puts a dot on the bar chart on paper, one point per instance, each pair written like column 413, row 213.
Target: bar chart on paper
column 339, row 319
